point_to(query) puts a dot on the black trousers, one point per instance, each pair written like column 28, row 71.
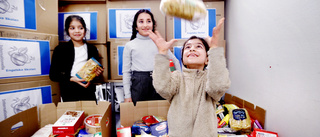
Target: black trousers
column 71, row 91
column 142, row 88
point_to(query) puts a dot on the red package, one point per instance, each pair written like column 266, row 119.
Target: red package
column 124, row 132
column 150, row 120
column 263, row 133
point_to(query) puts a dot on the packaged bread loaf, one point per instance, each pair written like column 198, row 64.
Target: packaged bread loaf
column 239, row 120
column 185, row 9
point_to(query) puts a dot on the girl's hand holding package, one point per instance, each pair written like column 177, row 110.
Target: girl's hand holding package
column 80, row 81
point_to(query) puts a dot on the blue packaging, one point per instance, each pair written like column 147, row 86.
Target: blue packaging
column 159, row 129
column 138, row 126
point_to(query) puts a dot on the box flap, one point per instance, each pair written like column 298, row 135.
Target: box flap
column 107, row 117
column 255, row 112
column 64, row 106
column 47, row 114
column 90, row 107
column 130, row 113
column 29, row 119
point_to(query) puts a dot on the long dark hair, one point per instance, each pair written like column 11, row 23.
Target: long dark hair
column 70, row 19
column 204, row 42
column 134, row 24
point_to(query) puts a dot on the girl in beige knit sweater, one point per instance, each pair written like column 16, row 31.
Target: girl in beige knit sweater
column 193, row 92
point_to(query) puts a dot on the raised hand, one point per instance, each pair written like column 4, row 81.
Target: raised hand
column 213, row 41
column 163, row 46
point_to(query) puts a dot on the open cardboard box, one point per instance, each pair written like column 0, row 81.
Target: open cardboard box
column 255, row 112
column 50, row 113
column 130, row 113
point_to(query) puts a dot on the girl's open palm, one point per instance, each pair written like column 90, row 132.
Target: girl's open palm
column 213, row 41
column 163, row 46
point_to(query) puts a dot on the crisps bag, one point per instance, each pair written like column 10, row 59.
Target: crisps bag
column 186, row 9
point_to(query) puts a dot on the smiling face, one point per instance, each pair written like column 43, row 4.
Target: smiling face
column 194, row 54
column 76, row 31
column 144, row 23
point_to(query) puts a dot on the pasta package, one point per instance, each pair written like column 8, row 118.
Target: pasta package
column 87, row 72
column 186, row 9
column 240, row 120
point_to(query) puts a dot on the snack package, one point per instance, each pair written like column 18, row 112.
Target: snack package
column 148, row 120
column 92, row 123
column 124, row 132
column 138, row 126
column 159, row 129
column 87, row 72
column 185, row 9
column 263, row 133
column 240, row 120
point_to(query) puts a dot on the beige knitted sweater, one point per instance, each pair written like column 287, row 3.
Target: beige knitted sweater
column 192, row 94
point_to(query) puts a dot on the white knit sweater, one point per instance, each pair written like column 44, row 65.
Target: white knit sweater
column 192, row 94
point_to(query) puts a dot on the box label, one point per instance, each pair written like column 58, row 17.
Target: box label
column 90, row 18
column 21, row 58
column 13, row 102
column 183, row 29
column 18, row 14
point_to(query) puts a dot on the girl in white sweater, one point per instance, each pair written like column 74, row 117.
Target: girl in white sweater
column 193, row 92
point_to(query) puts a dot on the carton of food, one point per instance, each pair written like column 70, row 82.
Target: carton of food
column 87, row 72
column 68, row 123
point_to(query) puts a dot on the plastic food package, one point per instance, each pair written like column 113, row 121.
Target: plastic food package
column 148, row 120
column 92, row 123
column 159, row 129
column 240, row 120
column 138, row 126
column 263, row 133
column 185, row 9
column 87, row 72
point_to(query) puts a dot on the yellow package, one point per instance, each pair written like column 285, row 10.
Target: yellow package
column 185, row 9
column 87, row 72
column 239, row 119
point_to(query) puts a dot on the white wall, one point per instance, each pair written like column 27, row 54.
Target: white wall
column 273, row 54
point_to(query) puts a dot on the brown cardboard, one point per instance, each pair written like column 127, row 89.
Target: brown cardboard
column 49, row 113
column 153, row 5
column 46, row 17
column 104, row 62
column 102, row 17
column 89, row 107
column 218, row 5
column 55, row 89
column 130, row 113
column 10, row 33
column 114, row 43
column 255, row 112
column 30, row 124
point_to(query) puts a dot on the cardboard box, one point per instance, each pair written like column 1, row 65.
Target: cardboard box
column 49, row 113
column 55, row 89
column 218, row 5
column 11, row 33
column 254, row 111
column 130, row 113
column 68, row 123
column 102, row 17
column 153, row 5
column 46, row 17
column 116, row 49
column 103, row 54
